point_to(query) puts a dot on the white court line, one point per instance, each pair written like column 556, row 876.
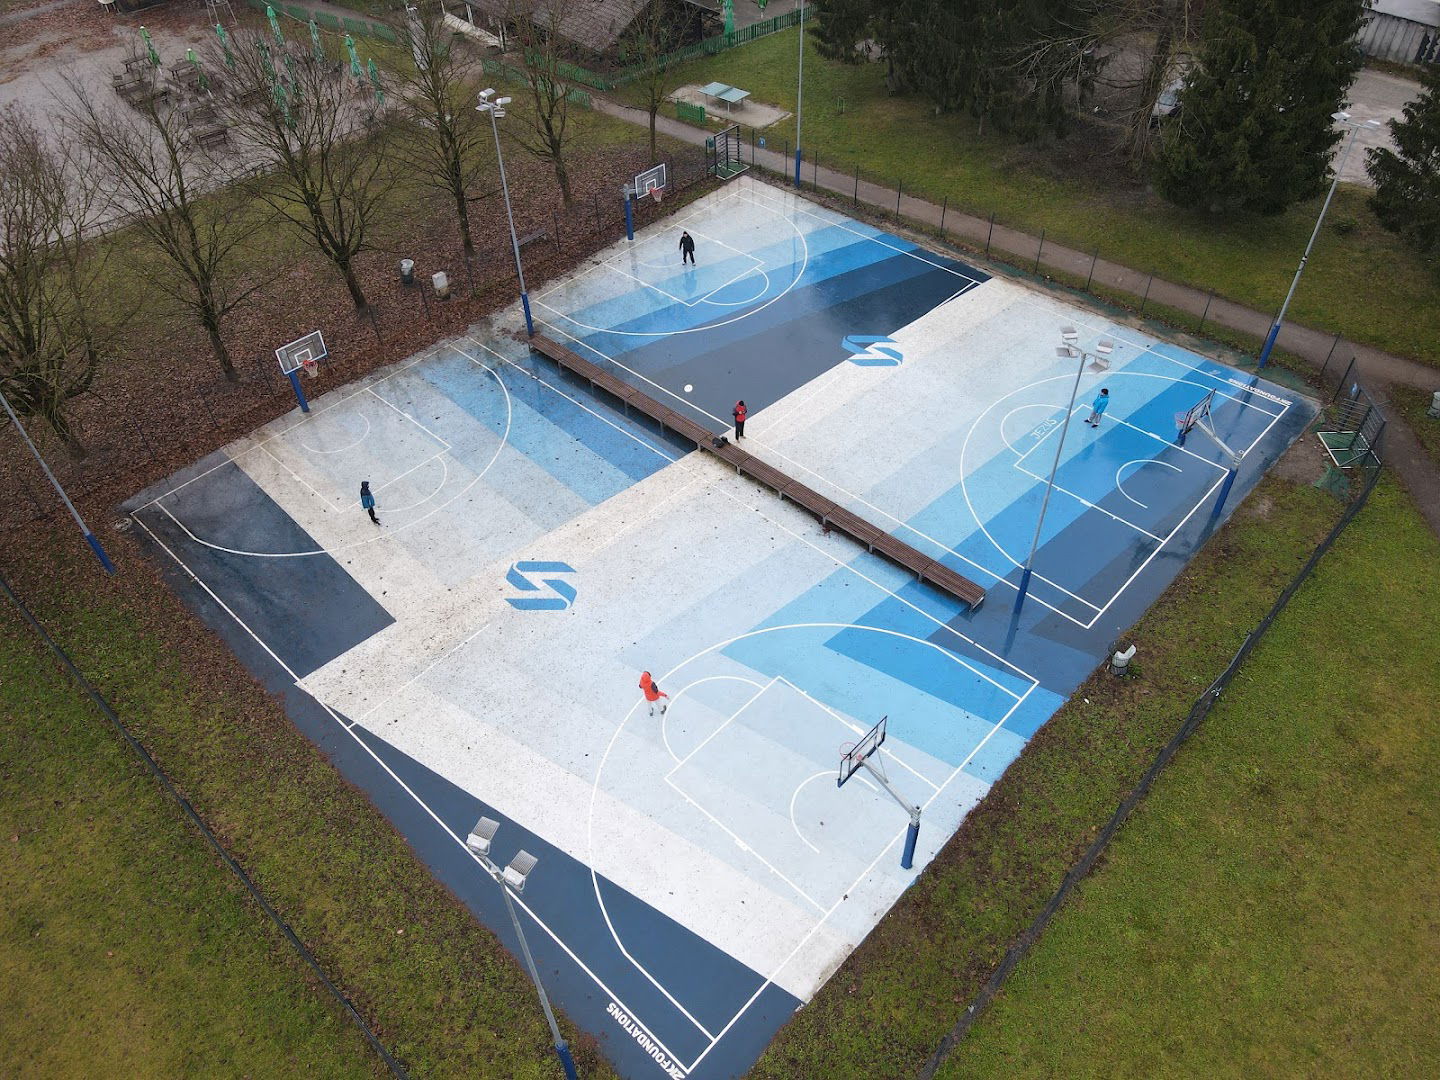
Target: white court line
column 857, row 729
column 1019, row 700
column 760, row 266
column 341, row 397
column 747, row 849
column 674, row 701
column 981, row 525
column 795, row 795
column 1120, row 483
column 504, row 441
column 728, row 720
column 349, row 729
column 393, row 695
column 574, row 401
column 803, row 206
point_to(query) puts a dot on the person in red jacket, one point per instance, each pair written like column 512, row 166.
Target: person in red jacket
column 740, row 413
column 651, row 689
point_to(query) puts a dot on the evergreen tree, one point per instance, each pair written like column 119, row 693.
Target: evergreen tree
column 842, row 25
column 1254, row 129
column 1407, row 179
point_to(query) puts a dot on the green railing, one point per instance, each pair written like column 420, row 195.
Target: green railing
column 326, row 21
column 691, row 114
column 708, row 47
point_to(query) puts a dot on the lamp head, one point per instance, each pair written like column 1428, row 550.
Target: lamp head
column 1340, row 117
column 519, row 869
column 481, row 835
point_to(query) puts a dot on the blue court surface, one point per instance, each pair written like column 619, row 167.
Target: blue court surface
column 478, row 652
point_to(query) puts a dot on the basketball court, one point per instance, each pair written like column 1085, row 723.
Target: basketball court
column 702, row 871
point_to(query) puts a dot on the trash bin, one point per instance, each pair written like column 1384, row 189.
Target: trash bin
column 407, row 271
column 442, row 284
column 1434, row 409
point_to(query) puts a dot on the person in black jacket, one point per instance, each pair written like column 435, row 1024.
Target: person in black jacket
column 687, row 248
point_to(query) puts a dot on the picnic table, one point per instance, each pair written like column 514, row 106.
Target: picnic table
column 730, row 95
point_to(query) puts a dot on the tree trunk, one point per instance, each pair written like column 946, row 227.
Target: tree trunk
column 60, row 424
column 352, row 283
column 462, row 211
column 210, row 319
column 654, row 109
column 562, row 177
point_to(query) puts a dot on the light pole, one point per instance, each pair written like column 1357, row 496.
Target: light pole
column 799, row 90
column 489, row 103
column 1066, row 351
column 513, row 877
column 1342, row 118
column 84, row 529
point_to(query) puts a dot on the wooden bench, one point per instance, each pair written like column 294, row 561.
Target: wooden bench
column 830, row 514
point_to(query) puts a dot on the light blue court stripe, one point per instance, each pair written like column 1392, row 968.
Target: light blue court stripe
column 934, row 705
column 991, row 697
column 554, row 449
column 939, row 729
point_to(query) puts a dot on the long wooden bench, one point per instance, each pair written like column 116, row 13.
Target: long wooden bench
column 830, row 514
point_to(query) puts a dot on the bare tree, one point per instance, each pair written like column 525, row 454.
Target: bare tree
column 51, row 338
column 184, row 208
column 650, row 42
column 444, row 133
column 535, row 27
column 320, row 138
column 1148, row 40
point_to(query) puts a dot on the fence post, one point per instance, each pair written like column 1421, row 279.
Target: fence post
column 944, row 206
column 857, row 185
column 1208, row 301
column 1039, row 251
column 1343, row 380
column 990, row 235
column 899, row 187
column 815, row 170
column 1146, row 298
column 1091, row 276
column 555, row 231
column 1328, row 355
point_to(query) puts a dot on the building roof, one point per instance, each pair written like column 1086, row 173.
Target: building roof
column 594, row 24
column 1420, row 11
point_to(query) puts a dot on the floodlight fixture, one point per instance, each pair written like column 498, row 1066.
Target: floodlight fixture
column 481, row 835
column 519, row 869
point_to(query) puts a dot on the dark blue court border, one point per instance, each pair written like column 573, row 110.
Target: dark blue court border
column 332, row 610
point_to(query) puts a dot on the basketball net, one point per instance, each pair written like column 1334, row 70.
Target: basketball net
column 311, row 367
column 657, row 194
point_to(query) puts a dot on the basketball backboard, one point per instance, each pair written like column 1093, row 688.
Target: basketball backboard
column 653, row 180
column 305, row 352
column 853, row 757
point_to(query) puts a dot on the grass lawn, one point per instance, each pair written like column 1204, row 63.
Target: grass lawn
column 888, row 1006
column 126, row 948
column 197, row 983
column 1364, row 284
column 1270, row 910
column 1412, row 405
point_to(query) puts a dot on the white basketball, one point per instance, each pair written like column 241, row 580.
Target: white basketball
column 688, row 388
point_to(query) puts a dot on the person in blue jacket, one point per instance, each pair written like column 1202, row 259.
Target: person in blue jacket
column 367, row 501
column 1098, row 407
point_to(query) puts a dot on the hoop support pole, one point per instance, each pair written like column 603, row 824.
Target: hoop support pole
column 907, row 858
column 299, row 394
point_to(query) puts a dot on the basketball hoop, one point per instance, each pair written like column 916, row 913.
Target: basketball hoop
column 310, row 367
column 657, row 194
